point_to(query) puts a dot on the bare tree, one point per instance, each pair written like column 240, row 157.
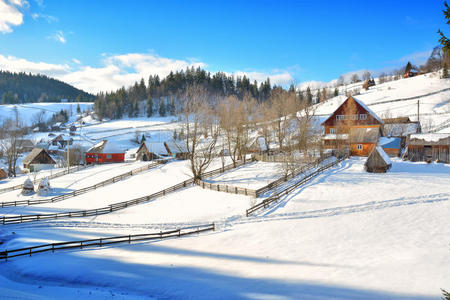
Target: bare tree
column 283, row 105
column 355, row 78
column 11, row 142
column 196, row 117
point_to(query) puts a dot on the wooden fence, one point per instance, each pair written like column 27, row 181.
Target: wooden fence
column 7, row 220
column 86, row 189
column 100, row 242
column 58, row 174
column 256, row 193
column 227, row 188
column 274, row 198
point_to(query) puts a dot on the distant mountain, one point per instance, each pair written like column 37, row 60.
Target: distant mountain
column 25, row 88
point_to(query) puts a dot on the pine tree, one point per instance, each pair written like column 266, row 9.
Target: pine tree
column 78, row 108
column 162, row 108
column 445, row 294
column 336, row 92
column 318, row 97
column 143, row 139
column 445, row 71
column 175, row 134
column 309, row 96
column 149, row 107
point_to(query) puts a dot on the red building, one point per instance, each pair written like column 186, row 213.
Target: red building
column 104, row 152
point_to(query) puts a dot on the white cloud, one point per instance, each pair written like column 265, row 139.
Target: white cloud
column 48, row 18
column 14, row 64
column 116, row 71
column 10, row 15
column 59, row 37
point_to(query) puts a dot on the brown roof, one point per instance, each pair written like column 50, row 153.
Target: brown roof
column 33, row 154
column 401, row 120
column 364, row 135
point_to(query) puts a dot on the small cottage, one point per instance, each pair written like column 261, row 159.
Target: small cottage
column 176, row 149
column 143, row 153
column 25, row 145
column 37, row 160
column 363, row 140
column 378, row 161
column 105, row 152
column 429, row 147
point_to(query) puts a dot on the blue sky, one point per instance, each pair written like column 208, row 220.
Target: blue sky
column 101, row 45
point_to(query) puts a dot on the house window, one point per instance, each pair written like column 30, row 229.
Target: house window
column 108, row 156
column 363, row 117
column 359, row 147
column 332, row 130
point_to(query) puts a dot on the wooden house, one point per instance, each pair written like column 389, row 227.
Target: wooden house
column 62, row 141
column 352, row 127
column 429, row 147
column 176, row 149
column 25, row 145
column 400, row 127
column 378, row 161
column 37, row 160
column 144, row 154
column 3, row 174
column 104, row 152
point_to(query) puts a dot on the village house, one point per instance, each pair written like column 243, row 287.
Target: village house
column 37, row 160
column 25, row 145
column 176, row 149
column 400, row 127
column 429, row 147
column 143, row 153
column 61, row 141
column 353, row 128
column 104, row 152
column 3, row 174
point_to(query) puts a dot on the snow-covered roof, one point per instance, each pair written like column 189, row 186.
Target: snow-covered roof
column 368, row 110
column 386, row 142
column 105, row 147
column 401, row 129
column 430, row 137
column 383, row 155
column 364, row 135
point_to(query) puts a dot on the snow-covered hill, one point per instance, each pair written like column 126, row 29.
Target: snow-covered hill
column 399, row 99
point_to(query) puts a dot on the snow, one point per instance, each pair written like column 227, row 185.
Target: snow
column 252, row 176
column 347, row 234
column 28, row 111
column 384, row 156
column 432, row 92
column 430, row 137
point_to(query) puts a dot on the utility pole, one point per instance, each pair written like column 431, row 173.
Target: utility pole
column 68, row 158
column 418, row 111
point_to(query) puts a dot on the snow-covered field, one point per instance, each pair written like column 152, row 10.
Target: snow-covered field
column 252, row 176
column 347, row 234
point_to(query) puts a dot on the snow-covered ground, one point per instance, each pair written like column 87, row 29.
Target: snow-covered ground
column 27, row 112
column 347, row 234
column 77, row 180
column 253, row 176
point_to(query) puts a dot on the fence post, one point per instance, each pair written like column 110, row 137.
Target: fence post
column 53, row 248
column 160, row 234
column 213, row 227
column 129, row 239
column 30, row 251
column 100, row 242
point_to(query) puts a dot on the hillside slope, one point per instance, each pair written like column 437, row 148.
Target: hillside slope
column 26, row 88
column 399, row 99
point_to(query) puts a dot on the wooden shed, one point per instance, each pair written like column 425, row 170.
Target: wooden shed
column 176, row 149
column 429, row 147
column 37, row 160
column 378, row 161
